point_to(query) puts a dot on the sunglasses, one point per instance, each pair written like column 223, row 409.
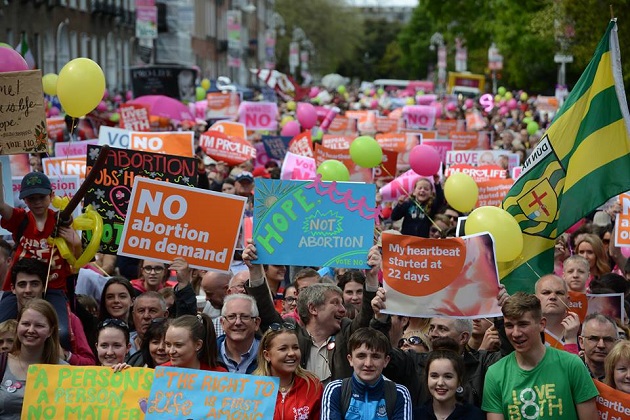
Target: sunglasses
column 276, row 326
column 412, row 341
column 113, row 321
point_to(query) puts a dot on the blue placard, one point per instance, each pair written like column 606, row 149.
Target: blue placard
column 314, row 223
column 179, row 393
column 276, row 146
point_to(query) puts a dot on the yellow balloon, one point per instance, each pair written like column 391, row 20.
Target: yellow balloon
column 80, row 86
column 291, row 105
column 507, row 235
column 285, row 120
column 205, row 83
column 49, row 81
column 461, row 192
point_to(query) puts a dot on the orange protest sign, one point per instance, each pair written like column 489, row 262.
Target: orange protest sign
column 357, row 173
column 396, row 142
column 454, row 277
column 622, row 222
column 336, row 142
column 178, row 143
column 302, row 144
column 166, row 220
column 223, row 105
column 578, row 303
column 225, row 148
column 385, row 124
column 342, row 126
column 612, row 404
column 444, row 127
column 55, row 127
column 230, row 128
column 493, row 191
column 135, row 117
column 56, row 166
column 365, row 120
column 464, row 140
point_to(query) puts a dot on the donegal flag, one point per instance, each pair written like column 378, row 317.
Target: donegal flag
column 581, row 161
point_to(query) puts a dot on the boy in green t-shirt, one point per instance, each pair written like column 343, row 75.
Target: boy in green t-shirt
column 536, row 381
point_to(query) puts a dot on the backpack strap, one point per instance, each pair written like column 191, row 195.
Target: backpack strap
column 391, row 395
column 346, row 394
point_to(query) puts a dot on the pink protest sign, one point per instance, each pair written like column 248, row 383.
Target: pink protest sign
column 74, row 148
column 296, row 167
column 259, row 115
column 419, row 117
column 401, row 185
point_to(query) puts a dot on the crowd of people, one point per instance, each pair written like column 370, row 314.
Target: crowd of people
column 321, row 330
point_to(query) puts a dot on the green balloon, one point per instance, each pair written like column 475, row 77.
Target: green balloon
column 333, row 170
column 201, row 93
column 2, row 44
column 532, row 127
column 115, row 117
column 341, row 89
column 366, row 152
column 527, row 120
column 501, row 90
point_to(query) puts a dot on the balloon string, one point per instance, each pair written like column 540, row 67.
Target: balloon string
column 413, row 199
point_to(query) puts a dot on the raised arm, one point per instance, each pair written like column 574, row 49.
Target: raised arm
column 259, row 289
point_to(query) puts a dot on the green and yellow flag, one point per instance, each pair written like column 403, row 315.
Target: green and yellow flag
column 581, row 161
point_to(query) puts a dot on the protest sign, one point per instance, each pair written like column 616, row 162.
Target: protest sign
column 71, row 165
column 442, row 147
column 259, row 115
column 344, row 126
column 387, row 168
column 454, row 277
column 502, row 158
column 73, row 148
column 622, row 221
column 225, row 148
column 296, row 167
column 113, row 137
column 365, row 120
column 163, row 79
column 516, row 172
column 231, row 128
column 276, row 146
column 178, row 143
column 397, row 142
column 468, row 140
column 336, row 142
column 552, row 341
column 56, row 126
column 22, row 113
column 443, row 127
column 134, row 117
column 180, row 393
column 223, row 105
column 166, row 220
column 314, row 223
column 302, row 144
column 611, row 304
column 493, row 191
column 478, row 173
column 612, row 404
column 401, row 185
column 385, row 125
column 357, row 173
column 578, row 303
column 419, row 116
column 111, row 190
column 7, row 194
column 86, row 392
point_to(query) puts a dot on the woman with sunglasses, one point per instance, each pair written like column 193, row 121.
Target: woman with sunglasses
column 416, row 341
column 192, row 343
column 37, row 343
column 113, row 343
column 300, row 392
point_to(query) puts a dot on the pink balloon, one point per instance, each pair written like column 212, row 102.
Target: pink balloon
column 503, row 110
column 424, row 160
column 512, row 104
column 313, row 92
column 54, row 111
column 306, row 115
column 502, row 102
column 129, row 95
column 11, row 60
column 118, row 98
column 291, row 129
column 469, row 103
column 101, row 107
column 451, row 107
column 374, row 104
column 625, row 251
column 105, row 94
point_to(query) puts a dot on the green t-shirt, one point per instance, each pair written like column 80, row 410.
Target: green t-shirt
column 550, row 390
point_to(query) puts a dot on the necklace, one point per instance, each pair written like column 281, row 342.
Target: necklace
column 285, row 389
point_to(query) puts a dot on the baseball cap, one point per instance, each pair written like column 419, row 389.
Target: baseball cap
column 35, row 183
column 244, row 176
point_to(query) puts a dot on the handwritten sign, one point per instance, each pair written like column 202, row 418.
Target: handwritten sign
column 135, row 117
column 276, row 146
column 612, row 404
column 259, row 115
column 111, row 190
column 296, row 167
column 622, row 222
column 455, row 277
column 225, row 148
column 85, row 392
column 195, row 394
column 167, row 220
column 317, row 223
column 178, row 143
column 22, row 113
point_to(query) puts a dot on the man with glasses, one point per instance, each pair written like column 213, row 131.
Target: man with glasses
column 238, row 347
column 599, row 335
column 146, row 308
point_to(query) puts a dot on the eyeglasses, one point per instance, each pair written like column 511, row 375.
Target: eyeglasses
column 113, row 321
column 593, row 339
column 290, row 299
column 243, row 318
column 412, row 341
column 284, row 326
column 156, row 269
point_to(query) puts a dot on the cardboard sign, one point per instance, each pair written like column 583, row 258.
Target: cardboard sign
column 502, row 158
column 314, row 223
column 73, row 148
column 86, row 392
column 455, row 277
column 259, row 115
column 276, row 146
column 166, row 220
column 134, row 117
column 225, row 148
column 223, row 105
column 419, row 116
column 22, row 113
column 196, row 394
column 302, row 144
column 231, row 128
column 113, row 137
column 178, row 143
column 296, row 167
column 612, row 404
column 111, row 191
column 622, row 222
column 357, row 173
column 72, row 165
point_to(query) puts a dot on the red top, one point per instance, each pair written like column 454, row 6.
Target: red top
column 304, row 400
column 203, row 366
column 138, row 284
column 34, row 244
